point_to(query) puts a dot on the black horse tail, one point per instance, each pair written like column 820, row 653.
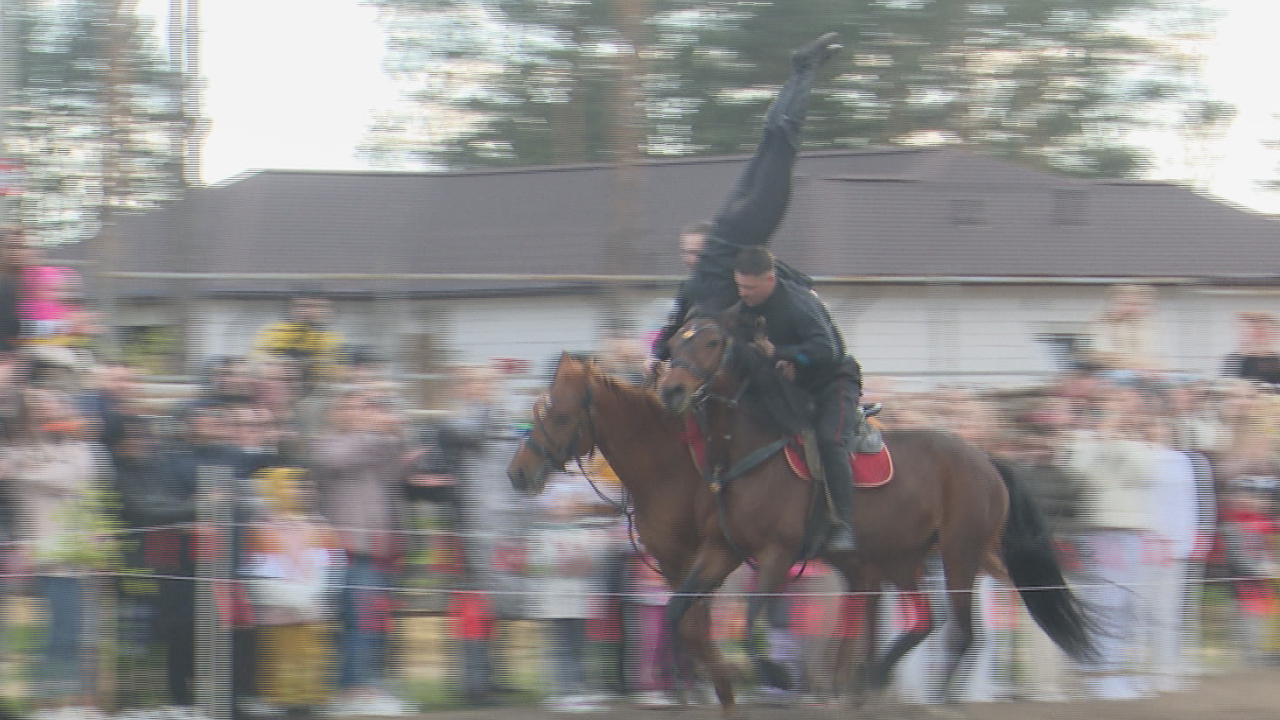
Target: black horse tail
column 1036, row 571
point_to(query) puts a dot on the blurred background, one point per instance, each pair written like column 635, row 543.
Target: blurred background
column 257, row 249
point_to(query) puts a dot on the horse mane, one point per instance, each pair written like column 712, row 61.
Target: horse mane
column 773, row 401
column 631, row 392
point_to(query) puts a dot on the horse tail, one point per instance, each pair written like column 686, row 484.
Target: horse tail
column 1034, row 567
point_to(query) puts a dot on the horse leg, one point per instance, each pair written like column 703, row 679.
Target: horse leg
column 960, row 581
column 920, row 622
column 856, row 624
column 688, row 617
column 772, row 571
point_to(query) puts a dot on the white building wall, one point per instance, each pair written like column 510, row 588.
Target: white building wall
column 916, row 334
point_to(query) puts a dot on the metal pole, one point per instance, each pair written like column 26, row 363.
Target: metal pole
column 10, row 56
column 184, row 59
column 628, row 126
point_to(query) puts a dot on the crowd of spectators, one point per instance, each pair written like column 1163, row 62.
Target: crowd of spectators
column 255, row 527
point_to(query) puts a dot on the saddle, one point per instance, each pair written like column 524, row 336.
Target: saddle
column 870, row 469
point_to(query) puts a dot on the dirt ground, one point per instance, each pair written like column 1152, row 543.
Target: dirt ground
column 1252, row 694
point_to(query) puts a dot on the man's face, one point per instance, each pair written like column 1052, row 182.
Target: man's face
column 755, row 289
column 691, row 247
column 209, row 426
column 312, row 310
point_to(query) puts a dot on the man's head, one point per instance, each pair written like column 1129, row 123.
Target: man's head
column 309, row 306
column 692, row 238
column 754, row 274
column 207, row 423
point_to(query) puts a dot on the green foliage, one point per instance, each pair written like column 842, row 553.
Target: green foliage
column 1056, row 83
column 91, row 536
column 96, row 117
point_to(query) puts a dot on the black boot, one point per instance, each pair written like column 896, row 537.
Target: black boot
column 839, row 476
column 792, row 103
column 816, row 53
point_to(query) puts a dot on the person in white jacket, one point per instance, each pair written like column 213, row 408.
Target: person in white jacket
column 1118, row 470
column 1175, row 507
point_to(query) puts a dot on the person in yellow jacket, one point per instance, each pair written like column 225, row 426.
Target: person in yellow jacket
column 305, row 338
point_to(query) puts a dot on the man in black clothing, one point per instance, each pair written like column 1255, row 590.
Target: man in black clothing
column 808, row 349
column 758, row 201
column 159, row 505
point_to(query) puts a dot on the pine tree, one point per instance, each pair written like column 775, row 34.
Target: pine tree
column 1056, row 83
column 96, row 119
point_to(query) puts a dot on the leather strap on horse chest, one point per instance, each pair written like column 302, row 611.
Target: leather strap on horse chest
column 717, row 481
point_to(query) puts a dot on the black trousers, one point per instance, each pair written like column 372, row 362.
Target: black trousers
column 835, row 422
column 755, row 207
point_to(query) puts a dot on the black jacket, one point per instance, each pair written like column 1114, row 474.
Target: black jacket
column 802, row 331
column 711, row 288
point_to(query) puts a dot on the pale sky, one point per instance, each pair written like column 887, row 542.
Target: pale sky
column 1242, row 63
column 291, row 84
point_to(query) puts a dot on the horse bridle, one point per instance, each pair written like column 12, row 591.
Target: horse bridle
column 561, row 458
column 705, row 377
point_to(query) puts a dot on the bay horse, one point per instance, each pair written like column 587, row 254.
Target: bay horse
column 946, row 494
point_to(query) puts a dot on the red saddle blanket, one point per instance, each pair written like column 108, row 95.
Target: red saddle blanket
column 869, row 469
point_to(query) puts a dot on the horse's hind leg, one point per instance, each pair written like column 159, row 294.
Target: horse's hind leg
column 920, row 622
column 688, row 615
column 959, row 640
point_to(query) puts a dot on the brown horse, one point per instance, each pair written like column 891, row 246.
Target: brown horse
column 946, row 495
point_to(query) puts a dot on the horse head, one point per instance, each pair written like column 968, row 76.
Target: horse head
column 701, row 353
column 561, row 429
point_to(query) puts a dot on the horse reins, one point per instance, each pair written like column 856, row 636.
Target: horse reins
column 715, row 477
column 547, row 454
column 561, row 459
column 705, row 378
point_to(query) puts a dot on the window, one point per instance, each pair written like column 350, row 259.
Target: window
column 1068, row 207
column 968, row 211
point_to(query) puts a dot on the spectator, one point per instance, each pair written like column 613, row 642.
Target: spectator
column 1058, row 492
column 1123, row 341
column 1257, row 356
column 1249, row 531
column 304, row 336
column 360, row 468
column 157, row 510
column 650, row 671
column 1117, row 468
column 208, row 458
column 1173, row 499
column 17, row 257
column 293, row 566
column 566, row 553
column 110, row 398
column 495, row 524
column 276, row 394
column 54, row 478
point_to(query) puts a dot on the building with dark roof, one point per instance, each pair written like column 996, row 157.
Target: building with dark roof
column 937, row 261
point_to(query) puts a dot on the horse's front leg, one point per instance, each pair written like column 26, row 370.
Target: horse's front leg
column 773, row 570
column 858, row 626
column 688, row 616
